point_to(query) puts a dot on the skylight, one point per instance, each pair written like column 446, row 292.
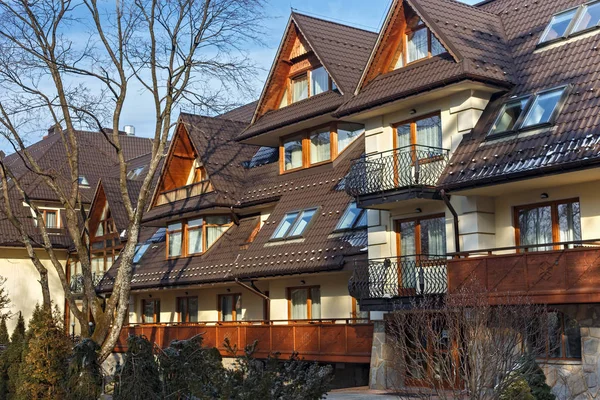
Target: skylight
column 294, row 224
column 140, row 251
column 136, row 172
column 530, row 111
column 83, row 181
column 571, row 22
column 353, row 218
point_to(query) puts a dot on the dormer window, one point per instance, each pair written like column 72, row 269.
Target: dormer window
column 306, row 84
column 419, row 43
column 531, row 111
column 195, row 236
column 197, row 173
column 50, row 218
column 317, row 146
column 300, row 88
column 572, row 22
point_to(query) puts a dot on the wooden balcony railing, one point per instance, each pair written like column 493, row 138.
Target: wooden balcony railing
column 408, row 167
column 392, row 277
column 553, row 273
column 184, row 192
column 333, row 340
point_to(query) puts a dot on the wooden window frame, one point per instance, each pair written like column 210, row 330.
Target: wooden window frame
column 297, row 74
column 185, row 229
column 234, row 316
column 413, row 130
column 563, row 340
column 404, row 42
column 417, row 221
column 178, row 309
column 45, row 212
column 304, row 135
column 156, row 315
column 308, row 300
column 553, row 213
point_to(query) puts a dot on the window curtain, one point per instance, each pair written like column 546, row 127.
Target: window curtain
column 193, row 309
column 175, row 244
column 195, row 241
column 433, row 236
column 347, row 133
column 535, row 227
column 50, row 219
column 569, row 222
column 408, row 249
column 293, row 154
column 429, row 133
column 315, row 296
column 213, row 233
column 403, row 136
column 299, row 88
column 320, row 147
column 417, row 46
column 319, row 81
column 299, row 301
column 227, row 308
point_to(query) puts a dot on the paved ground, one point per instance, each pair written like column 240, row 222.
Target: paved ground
column 360, row 393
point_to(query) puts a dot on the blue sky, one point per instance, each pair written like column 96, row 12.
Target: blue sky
column 363, row 14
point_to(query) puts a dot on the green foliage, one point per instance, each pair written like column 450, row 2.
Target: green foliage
column 187, row 370
column 84, row 379
column 4, row 339
column 10, row 361
column 43, row 371
column 138, row 377
column 517, row 390
column 536, row 380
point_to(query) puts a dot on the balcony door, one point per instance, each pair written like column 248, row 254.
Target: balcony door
column 419, row 240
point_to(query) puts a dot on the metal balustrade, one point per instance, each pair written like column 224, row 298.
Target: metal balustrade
column 77, row 281
column 407, row 276
column 413, row 166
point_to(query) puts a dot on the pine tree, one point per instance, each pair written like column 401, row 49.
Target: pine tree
column 4, row 339
column 45, row 358
column 12, row 358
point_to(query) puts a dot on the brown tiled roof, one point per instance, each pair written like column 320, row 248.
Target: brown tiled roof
column 573, row 142
column 241, row 114
column 222, row 157
column 96, row 160
column 477, row 46
column 343, row 51
column 112, row 191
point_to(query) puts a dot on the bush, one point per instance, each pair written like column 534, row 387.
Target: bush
column 10, row 361
column 45, row 357
column 85, row 374
column 138, row 377
column 517, row 390
column 536, row 380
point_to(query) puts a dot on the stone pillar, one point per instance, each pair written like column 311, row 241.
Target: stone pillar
column 590, row 345
column 383, row 374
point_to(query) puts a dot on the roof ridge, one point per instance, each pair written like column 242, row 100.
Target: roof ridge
column 333, row 22
column 216, row 117
column 472, row 7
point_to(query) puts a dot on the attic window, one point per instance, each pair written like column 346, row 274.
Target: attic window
column 136, row 172
column 305, row 85
column 418, row 43
column 572, row 22
column 294, row 224
column 353, row 218
column 83, row 181
column 530, row 111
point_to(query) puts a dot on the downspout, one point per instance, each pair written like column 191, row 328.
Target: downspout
column 455, row 214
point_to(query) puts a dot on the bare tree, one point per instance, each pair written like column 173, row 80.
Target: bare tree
column 73, row 64
column 465, row 348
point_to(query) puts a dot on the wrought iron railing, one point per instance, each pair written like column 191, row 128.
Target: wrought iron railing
column 406, row 276
column 77, row 281
column 406, row 167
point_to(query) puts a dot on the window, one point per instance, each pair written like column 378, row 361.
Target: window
column 319, row 81
column 174, row 240
column 421, row 137
column 425, row 237
column 353, row 218
column 230, row 307
column 140, row 251
column 83, row 181
column 294, row 224
column 571, row 22
column 318, row 145
column 150, row 311
column 105, row 242
column 187, row 309
column 347, row 133
column 195, row 236
column 299, row 88
column 557, row 336
column 531, row 111
column 304, row 303
column 419, row 43
column 548, row 223
column 50, row 218
column 135, row 173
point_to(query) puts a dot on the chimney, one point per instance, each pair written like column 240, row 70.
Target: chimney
column 129, row 130
column 2, row 155
column 52, row 130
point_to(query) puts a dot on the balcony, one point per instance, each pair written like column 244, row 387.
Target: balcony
column 76, row 282
column 412, row 172
column 554, row 273
column 347, row 340
column 390, row 283
column 195, row 189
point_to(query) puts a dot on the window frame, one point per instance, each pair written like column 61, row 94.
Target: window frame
column 304, row 136
column 45, row 212
column 289, row 87
column 178, row 309
column 532, row 97
column 569, row 32
column 417, row 237
column 563, row 338
column 293, row 224
column 234, row 316
column 308, row 302
column 156, row 311
column 402, row 53
column 354, row 226
column 413, row 136
column 185, row 229
column 554, row 214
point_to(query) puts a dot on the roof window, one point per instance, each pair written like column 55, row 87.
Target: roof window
column 294, row 224
column 83, row 181
column 571, row 22
column 353, row 218
column 136, row 172
column 530, row 111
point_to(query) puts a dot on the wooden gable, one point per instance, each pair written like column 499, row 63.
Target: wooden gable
column 295, row 56
column 95, row 215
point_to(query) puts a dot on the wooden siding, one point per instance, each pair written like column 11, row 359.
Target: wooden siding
column 325, row 341
column 185, row 192
column 545, row 277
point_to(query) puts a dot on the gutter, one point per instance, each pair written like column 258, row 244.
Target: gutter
column 455, row 214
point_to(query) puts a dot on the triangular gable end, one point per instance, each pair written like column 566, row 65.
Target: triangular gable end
column 99, row 204
column 389, row 46
column 181, row 169
column 295, row 54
